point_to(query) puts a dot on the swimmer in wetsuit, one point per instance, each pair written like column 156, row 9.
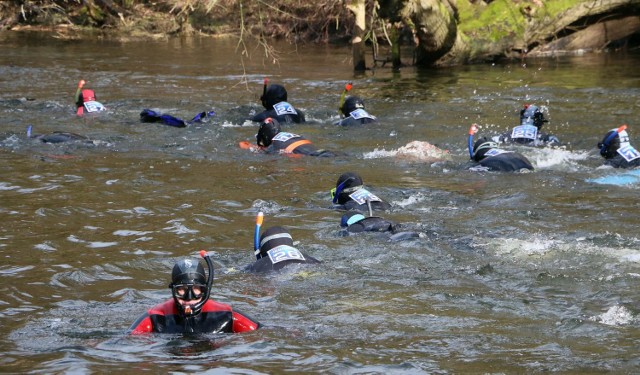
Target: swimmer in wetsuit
column 617, row 151
column 272, row 140
column 86, row 100
column 274, row 100
column 58, row 137
column 190, row 310
column 276, row 251
column 489, row 157
column 354, row 222
column 528, row 132
column 355, row 113
column 148, row 115
column 350, row 194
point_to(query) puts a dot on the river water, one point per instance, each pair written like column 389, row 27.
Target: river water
column 513, row 273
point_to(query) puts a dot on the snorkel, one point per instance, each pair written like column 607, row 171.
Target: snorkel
column 29, row 128
column 347, row 88
column 607, row 141
column 77, row 97
column 338, row 189
column 264, row 87
column 195, row 308
column 256, row 234
column 472, row 131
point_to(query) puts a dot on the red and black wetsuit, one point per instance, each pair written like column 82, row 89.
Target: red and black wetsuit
column 215, row 317
column 289, row 143
column 85, row 96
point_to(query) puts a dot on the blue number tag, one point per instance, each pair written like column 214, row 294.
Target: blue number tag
column 284, row 136
column 525, row 131
column 93, row 106
column 284, row 108
column 361, row 113
column 284, row 252
column 363, row 195
column 495, row 151
column 628, row 152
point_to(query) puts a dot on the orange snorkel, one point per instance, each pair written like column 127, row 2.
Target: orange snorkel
column 347, row 88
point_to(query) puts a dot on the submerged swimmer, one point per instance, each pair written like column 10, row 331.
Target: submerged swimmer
column 528, row 132
column 148, row 115
column 489, row 157
column 58, row 137
column 190, row 310
column 355, row 222
column 350, row 194
column 274, row 100
column 271, row 139
column 617, row 151
column 274, row 250
column 86, row 100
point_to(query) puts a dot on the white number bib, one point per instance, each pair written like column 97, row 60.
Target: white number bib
column 628, row 152
column 284, row 252
column 284, row 136
column 361, row 113
column 363, row 195
column 93, row 106
column 284, row 108
column 525, row 131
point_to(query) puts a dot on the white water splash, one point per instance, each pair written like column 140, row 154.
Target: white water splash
column 178, row 228
column 616, row 316
column 125, row 233
column 415, row 151
column 555, row 158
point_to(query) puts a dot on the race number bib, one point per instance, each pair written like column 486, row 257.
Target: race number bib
column 284, row 108
column 284, row 136
column 363, row 195
column 93, row 106
column 628, row 152
column 525, row 131
column 361, row 113
column 496, row 151
column 284, row 252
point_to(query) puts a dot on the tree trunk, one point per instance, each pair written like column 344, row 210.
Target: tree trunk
column 357, row 42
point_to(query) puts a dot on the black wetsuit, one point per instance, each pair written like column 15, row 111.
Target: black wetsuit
column 274, row 100
column 357, row 223
column 266, row 264
column 502, row 161
column 287, row 115
column 60, row 137
column 620, row 162
column 357, row 117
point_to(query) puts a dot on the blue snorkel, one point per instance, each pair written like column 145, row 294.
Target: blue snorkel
column 29, row 130
column 610, row 138
column 472, row 131
column 256, row 234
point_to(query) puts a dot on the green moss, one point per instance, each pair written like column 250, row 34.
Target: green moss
column 505, row 20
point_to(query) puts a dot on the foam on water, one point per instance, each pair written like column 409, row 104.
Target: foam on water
column 615, row 316
column 413, row 151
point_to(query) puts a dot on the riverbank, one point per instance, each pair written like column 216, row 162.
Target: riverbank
column 329, row 22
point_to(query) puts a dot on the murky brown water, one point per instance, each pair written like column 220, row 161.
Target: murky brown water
column 525, row 273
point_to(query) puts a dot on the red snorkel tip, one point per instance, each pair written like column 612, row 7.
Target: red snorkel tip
column 622, row 128
column 348, row 86
column 203, row 253
column 81, row 83
column 473, row 129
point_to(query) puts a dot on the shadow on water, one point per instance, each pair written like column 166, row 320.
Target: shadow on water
column 513, row 273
